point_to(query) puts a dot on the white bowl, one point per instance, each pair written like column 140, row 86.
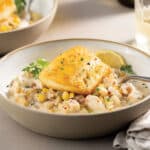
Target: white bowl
column 70, row 126
column 19, row 37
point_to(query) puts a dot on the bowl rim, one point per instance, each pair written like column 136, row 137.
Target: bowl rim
column 52, row 13
column 75, row 114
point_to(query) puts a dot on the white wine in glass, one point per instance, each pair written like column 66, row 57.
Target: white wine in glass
column 142, row 12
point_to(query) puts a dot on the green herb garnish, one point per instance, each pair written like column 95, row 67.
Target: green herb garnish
column 107, row 99
column 127, row 69
column 82, row 59
column 27, row 86
column 20, row 4
column 36, row 67
column 97, row 89
column 61, row 68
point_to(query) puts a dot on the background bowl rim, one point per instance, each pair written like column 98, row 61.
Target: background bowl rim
column 52, row 13
column 72, row 115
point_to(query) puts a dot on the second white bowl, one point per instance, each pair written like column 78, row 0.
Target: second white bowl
column 19, row 37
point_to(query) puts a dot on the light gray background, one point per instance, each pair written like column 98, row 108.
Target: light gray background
column 104, row 19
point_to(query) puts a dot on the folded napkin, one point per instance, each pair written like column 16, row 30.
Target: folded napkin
column 137, row 136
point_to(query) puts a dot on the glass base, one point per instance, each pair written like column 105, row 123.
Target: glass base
column 142, row 48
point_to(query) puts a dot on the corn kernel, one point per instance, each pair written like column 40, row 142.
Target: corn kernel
column 71, row 95
column 45, row 90
column 4, row 28
column 41, row 97
column 16, row 19
column 65, row 96
column 116, row 87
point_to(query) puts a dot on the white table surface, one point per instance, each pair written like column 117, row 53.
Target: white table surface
column 101, row 19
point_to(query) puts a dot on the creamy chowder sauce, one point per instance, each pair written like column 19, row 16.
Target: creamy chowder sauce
column 109, row 95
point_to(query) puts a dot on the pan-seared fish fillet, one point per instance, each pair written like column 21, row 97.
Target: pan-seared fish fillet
column 76, row 70
column 7, row 7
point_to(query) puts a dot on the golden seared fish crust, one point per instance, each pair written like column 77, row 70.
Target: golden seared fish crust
column 76, row 70
column 7, row 7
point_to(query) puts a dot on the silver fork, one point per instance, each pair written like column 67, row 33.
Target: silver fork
column 135, row 77
column 28, row 10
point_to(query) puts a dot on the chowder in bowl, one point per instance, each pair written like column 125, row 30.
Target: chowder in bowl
column 19, row 27
column 72, row 117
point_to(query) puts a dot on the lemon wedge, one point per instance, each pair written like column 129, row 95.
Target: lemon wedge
column 111, row 58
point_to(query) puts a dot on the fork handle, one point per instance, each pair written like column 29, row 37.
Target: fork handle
column 141, row 78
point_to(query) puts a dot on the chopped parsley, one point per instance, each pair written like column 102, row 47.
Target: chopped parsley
column 27, row 86
column 62, row 61
column 61, row 68
column 97, row 89
column 36, row 67
column 20, row 4
column 145, row 86
column 82, row 59
column 127, row 69
column 107, row 99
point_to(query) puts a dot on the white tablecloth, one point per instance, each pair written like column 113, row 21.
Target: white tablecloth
column 104, row 19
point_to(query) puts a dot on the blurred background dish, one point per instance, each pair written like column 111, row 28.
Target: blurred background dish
column 19, row 27
column 17, row 14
